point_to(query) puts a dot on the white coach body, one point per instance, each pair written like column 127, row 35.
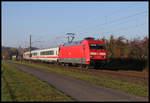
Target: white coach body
column 49, row 55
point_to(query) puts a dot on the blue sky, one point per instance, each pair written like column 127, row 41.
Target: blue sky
column 48, row 22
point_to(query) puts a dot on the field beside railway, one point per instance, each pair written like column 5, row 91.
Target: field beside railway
column 19, row 86
column 128, row 87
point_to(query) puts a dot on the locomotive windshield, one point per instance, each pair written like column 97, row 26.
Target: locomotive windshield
column 97, row 46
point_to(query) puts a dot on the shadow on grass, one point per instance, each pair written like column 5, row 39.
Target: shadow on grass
column 125, row 64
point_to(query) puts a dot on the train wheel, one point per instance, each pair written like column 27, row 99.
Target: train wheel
column 64, row 64
column 87, row 67
column 70, row 64
column 81, row 66
column 97, row 66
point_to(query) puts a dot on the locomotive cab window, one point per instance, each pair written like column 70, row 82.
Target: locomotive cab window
column 97, row 46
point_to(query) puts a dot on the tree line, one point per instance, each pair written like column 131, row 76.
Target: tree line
column 116, row 48
column 127, row 52
column 123, row 48
column 119, row 50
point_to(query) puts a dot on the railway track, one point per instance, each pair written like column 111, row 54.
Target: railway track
column 137, row 74
column 127, row 76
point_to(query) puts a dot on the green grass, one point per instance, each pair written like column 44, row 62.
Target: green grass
column 23, row 87
column 5, row 92
column 130, row 88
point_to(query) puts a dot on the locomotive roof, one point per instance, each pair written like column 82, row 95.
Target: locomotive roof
column 73, row 43
column 77, row 42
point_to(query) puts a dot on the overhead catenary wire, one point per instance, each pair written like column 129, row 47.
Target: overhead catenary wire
column 115, row 31
column 110, row 14
column 99, row 25
column 106, row 16
column 129, row 27
column 116, row 20
column 118, row 24
column 82, row 31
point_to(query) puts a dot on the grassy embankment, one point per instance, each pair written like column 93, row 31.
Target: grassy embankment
column 5, row 95
column 20, row 87
column 130, row 88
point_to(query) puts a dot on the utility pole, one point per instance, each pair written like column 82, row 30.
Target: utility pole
column 30, row 47
column 70, row 35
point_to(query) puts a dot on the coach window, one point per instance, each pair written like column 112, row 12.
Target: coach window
column 41, row 53
column 51, row 52
column 35, row 54
column 46, row 53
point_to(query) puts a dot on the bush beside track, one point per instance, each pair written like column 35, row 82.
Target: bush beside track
column 130, row 88
column 19, row 86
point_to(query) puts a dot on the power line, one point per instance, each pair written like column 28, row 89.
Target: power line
column 124, row 22
column 110, row 14
column 113, row 21
column 73, row 4
column 126, row 28
column 116, row 20
column 116, row 11
column 106, row 18
column 116, row 30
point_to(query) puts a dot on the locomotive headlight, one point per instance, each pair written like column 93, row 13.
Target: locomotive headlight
column 91, row 56
column 102, row 53
column 93, row 53
column 104, row 56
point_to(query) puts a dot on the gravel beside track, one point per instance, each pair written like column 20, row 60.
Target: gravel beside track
column 77, row 89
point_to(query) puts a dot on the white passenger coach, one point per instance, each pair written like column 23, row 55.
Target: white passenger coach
column 48, row 55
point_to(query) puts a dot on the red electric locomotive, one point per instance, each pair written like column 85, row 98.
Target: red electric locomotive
column 86, row 52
